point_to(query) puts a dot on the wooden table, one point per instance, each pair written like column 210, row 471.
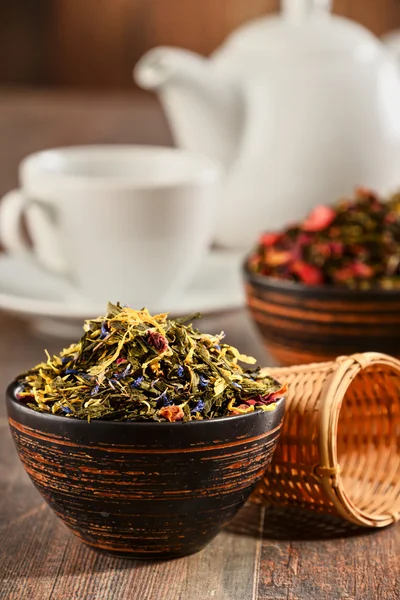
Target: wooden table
column 264, row 553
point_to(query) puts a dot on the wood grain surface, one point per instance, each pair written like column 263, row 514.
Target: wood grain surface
column 97, row 42
column 265, row 554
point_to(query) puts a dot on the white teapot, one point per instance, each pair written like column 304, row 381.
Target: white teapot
column 299, row 108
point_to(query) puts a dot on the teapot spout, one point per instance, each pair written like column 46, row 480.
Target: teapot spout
column 203, row 106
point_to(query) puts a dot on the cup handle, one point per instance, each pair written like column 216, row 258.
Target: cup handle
column 42, row 228
column 12, row 208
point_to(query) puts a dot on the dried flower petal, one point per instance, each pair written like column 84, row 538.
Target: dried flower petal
column 124, row 373
column 275, row 258
column 137, row 383
column 337, row 248
column 157, row 340
column 104, row 331
column 164, row 400
column 242, row 409
column 320, row 218
column 203, row 382
column 171, row 413
column 198, row 408
column 71, row 372
column 362, row 270
column 308, row 273
column 95, row 390
column 269, row 239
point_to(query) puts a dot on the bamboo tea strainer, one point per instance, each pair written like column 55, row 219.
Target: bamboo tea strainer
column 339, row 450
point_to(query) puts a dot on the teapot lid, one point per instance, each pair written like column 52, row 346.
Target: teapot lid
column 304, row 27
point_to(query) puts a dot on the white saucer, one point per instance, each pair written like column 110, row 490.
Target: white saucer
column 55, row 308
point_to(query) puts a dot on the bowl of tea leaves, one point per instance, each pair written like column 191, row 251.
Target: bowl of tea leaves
column 146, row 436
column 329, row 285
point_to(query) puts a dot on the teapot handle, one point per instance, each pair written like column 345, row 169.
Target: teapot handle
column 297, row 9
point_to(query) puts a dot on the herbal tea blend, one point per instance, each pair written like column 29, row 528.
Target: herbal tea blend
column 133, row 366
column 355, row 243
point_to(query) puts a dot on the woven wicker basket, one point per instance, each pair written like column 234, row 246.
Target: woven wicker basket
column 339, row 450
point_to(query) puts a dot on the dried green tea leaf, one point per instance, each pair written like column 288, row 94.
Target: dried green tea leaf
column 219, row 386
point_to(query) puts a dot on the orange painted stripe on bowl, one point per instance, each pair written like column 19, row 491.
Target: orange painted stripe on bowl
column 293, row 298
column 128, row 450
column 331, row 328
column 210, row 491
column 323, row 316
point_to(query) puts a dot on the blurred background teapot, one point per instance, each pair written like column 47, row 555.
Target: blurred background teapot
column 299, row 108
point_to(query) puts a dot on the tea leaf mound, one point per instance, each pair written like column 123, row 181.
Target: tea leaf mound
column 353, row 244
column 132, row 366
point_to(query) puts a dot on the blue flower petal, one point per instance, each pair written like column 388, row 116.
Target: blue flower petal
column 137, row 383
column 95, row 390
column 203, row 381
column 164, row 399
column 198, row 408
column 71, row 371
column 86, row 376
column 124, row 373
column 104, row 330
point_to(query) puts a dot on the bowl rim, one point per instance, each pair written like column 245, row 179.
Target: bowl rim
column 10, row 397
column 286, row 285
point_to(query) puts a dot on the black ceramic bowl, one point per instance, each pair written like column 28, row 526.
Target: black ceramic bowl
column 303, row 324
column 144, row 490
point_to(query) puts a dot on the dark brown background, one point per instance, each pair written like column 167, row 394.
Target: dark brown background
column 94, row 43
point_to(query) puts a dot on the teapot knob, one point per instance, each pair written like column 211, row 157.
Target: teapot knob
column 297, row 9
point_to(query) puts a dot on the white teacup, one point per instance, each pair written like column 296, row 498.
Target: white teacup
column 127, row 223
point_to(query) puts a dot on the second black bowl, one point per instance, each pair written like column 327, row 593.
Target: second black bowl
column 304, row 324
